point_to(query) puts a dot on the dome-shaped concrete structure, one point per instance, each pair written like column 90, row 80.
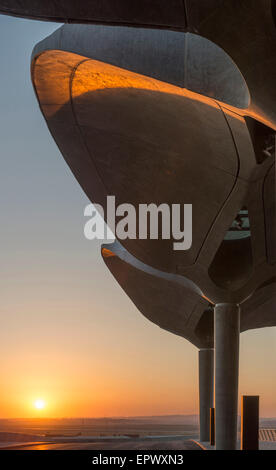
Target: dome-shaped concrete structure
column 168, row 105
column 119, row 130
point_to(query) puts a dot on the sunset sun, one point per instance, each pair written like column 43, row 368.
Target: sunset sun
column 39, row 404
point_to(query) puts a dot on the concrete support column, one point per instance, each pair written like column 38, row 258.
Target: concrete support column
column 227, row 339
column 206, row 390
column 250, row 423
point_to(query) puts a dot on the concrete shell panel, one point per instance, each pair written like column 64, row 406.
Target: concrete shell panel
column 185, row 60
column 245, row 31
column 119, row 131
column 154, row 13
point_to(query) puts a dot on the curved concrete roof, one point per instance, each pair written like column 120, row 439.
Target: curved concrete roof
column 122, row 127
column 182, row 59
column 154, row 13
column 165, row 301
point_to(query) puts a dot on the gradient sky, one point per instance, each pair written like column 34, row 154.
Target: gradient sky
column 69, row 334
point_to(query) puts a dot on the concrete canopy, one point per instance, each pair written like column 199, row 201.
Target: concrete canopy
column 245, row 30
column 122, row 127
column 153, row 13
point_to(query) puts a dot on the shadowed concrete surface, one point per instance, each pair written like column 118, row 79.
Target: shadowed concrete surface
column 138, row 12
column 206, row 391
column 245, row 30
column 227, row 337
column 184, row 60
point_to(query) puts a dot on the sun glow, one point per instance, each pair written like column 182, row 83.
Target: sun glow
column 39, row 404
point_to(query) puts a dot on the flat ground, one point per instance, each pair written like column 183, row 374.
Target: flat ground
column 102, row 427
column 159, row 433
column 131, row 444
column 145, row 433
